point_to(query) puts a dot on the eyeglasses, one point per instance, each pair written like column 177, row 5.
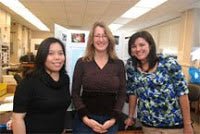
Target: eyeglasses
column 100, row 36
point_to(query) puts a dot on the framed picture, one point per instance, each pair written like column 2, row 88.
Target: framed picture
column 78, row 37
column 116, row 40
column 37, row 46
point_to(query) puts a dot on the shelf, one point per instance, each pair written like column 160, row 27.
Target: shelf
column 5, row 55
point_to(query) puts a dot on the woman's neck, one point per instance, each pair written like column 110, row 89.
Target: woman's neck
column 54, row 75
column 101, row 59
column 145, row 66
column 101, row 56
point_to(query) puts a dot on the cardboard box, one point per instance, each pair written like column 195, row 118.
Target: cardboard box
column 11, row 88
column 3, row 89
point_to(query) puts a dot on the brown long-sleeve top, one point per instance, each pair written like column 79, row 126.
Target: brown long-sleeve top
column 103, row 90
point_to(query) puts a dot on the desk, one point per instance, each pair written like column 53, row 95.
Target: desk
column 27, row 64
column 14, row 68
column 130, row 132
column 13, row 71
column 122, row 132
column 2, row 98
column 27, row 67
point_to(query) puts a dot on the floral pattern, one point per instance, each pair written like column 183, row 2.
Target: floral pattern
column 158, row 92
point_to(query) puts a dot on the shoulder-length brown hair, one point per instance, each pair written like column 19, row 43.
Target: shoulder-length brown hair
column 90, row 50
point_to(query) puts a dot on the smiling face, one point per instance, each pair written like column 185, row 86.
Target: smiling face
column 55, row 58
column 100, row 39
column 140, row 49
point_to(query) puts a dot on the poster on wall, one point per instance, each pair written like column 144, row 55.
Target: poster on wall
column 75, row 54
column 78, row 37
column 118, row 47
column 75, row 41
column 37, row 46
column 116, row 39
column 61, row 33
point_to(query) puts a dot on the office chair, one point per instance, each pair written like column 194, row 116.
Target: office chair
column 194, row 96
column 194, row 92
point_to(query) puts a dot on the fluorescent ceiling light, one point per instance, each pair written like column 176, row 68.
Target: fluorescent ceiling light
column 135, row 12
column 142, row 7
column 19, row 8
column 150, row 3
column 114, row 27
column 121, row 20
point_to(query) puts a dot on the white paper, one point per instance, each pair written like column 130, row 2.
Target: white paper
column 5, row 107
column 9, row 99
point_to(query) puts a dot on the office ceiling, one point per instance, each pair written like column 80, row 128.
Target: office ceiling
column 81, row 14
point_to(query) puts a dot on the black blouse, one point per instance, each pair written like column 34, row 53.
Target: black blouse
column 44, row 101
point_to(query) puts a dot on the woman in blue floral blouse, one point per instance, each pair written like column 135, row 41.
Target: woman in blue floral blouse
column 157, row 85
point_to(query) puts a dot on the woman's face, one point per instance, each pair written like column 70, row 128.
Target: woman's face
column 100, row 39
column 140, row 49
column 55, row 58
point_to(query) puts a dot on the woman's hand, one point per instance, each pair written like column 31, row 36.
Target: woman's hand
column 109, row 123
column 96, row 127
column 128, row 122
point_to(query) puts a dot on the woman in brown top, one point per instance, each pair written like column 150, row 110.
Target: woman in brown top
column 101, row 77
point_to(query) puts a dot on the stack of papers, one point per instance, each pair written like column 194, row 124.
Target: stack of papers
column 9, row 99
column 6, row 107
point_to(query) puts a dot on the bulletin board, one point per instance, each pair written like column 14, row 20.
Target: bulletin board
column 75, row 42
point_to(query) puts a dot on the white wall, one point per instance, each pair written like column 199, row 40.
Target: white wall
column 167, row 36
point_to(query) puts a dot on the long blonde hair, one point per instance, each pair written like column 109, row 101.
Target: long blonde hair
column 90, row 49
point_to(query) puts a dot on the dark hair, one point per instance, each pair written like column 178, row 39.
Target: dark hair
column 151, row 58
column 42, row 54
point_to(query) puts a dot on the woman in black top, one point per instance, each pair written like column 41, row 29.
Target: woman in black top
column 42, row 98
column 102, row 76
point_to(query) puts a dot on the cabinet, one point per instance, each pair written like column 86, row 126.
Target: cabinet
column 4, row 49
column 5, row 55
column 4, row 41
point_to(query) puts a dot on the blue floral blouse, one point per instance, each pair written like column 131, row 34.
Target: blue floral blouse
column 158, row 92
